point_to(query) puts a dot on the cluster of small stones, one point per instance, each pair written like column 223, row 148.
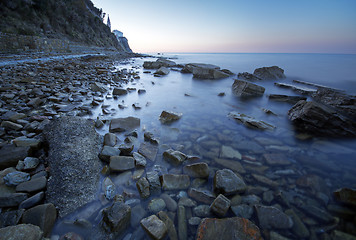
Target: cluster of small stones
column 31, row 95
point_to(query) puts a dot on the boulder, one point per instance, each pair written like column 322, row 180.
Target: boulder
column 248, row 76
column 286, row 98
column 154, row 227
column 272, row 218
column 166, row 62
column 108, row 152
column 124, row 124
column 152, row 65
column 175, row 182
column 168, row 116
column 318, row 119
column 228, row 228
column 205, row 71
column 272, row 73
column 117, row 217
column 21, row 232
column 247, row 89
column 251, row 122
column 43, row 216
column 162, row 71
column 227, row 182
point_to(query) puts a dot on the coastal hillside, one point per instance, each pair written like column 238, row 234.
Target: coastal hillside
column 68, row 20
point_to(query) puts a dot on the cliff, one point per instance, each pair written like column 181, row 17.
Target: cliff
column 122, row 41
column 67, row 21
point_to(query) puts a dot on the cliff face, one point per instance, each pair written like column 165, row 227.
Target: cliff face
column 74, row 20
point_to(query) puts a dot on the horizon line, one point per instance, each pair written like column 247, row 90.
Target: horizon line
column 334, row 53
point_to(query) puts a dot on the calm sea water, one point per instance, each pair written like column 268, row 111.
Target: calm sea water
column 317, row 166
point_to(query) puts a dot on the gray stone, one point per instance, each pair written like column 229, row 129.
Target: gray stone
column 243, row 210
column 346, row 195
column 227, row 228
column 174, row 157
column 155, row 228
column 200, row 195
column 21, row 232
column 229, row 152
column 286, row 98
column 202, row 211
column 265, row 181
column 172, row 232
column 270, row 73
column 149, row 137
column 251, row 199
column 156, row 205
column 15, row 178
column 108, row 152
column 276, row 159
column 251, row 122
column 197, row 170
column 153, row 179
column 187, row 202
column 126, row 149
column 168, row 116
column 43, row 216
column 10, row 218
column 247, row 89
column 194, row 221
column 12, row 199
column 27, row 142
column 182, row 223
column 268, row 196
column 231, row 164
column 227, row 182
column 137, row 213
column 124, row 124
column 140, row 161
column 143, row 187
column 273, row 218
column 73, row 161
column 117, row 217
column 220, row 206
column 34, row 185
column 248, row 76
column 11, row 125
column 121, row 163
column 317, row 213
column 30, row 163
column 110, row 139
column 148, row 150
column 10, row 155
column 109, row 189
column 119, row 91
column 299, row 229
column 338, row 235
column 162, row 71
column 171, row 204
column 98, row 87
column 152, row 65
column 175, row 182
column 32, row 201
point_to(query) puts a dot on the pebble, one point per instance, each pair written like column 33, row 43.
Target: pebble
column 15, row 178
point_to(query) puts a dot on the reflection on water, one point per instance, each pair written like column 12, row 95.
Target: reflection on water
column 306, row 172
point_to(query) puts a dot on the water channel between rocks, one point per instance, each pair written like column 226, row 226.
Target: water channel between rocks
column 305, row 174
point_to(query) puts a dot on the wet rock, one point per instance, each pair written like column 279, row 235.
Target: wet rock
column 162, row 71
column 194, row 221
column 98, row 87
column 346, row 195
column 149, row 137
column 117, row 217
column 151, row 65
column 338, row 235
column 299, row 229
column 270, row 73
column 121, row 163
column 15, row 178
column 71, row 236
column 247, row 89
column 251, row 199
column 228, row 228
column 124, row 124
column 187, row 202
column 231, row 164
column 27, row 142
column 197, row 170
column 248, row 76
column 153, row 179
column 32, row 201
column 108, row 152
column 172, row 232
column 126, row 149
column 295, row 88
column 201, row 195
column 250, row 121
column 182, row 223
column 276, row 236
column 110, row 139
column 11, row 125
column 243, row 210
column 141, row 91
column 43, row 216
column 143, row 187
column 168, row 116
column 317, row 213
column 30, row 163
column 265, row 181
column 12, row 199
column 313, row 182
column 170, row 202
column 154, row 227
column 220, row 206
column 21, row 232
column 227, row 182
column 10, row 155
column 202, row 211
column 119, row 91
column 315, row 118
column 137, row 213
column 34, row 185
column 140, row 161
column 99, row 123
column 73, row 161
column 276, row 159
column 148, row 150
column 108, row 188
column 229, row 152
column 156, row 205
column 286, row 98
column 174, row 157
column 268, row 196
column 175, row 182
column 272, row 218
column 10, row 218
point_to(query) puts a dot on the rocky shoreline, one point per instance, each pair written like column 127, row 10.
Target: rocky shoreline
column 49, row 159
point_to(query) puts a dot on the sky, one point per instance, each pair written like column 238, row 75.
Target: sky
column 235, row 26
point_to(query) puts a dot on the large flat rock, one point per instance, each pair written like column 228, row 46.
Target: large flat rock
column 73, row 161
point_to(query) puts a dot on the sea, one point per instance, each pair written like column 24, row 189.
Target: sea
column 311, row 169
